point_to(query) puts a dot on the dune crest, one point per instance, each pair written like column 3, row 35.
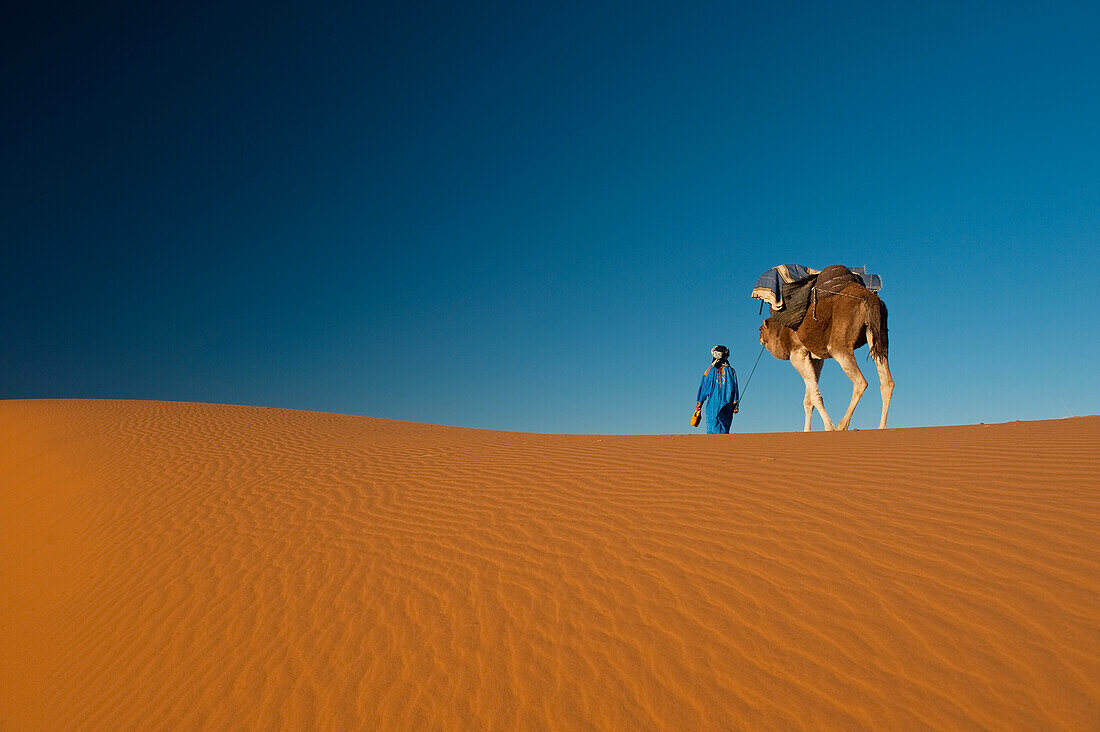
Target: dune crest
column 197, row 565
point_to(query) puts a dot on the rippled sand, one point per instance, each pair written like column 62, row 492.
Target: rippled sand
column 207, row 566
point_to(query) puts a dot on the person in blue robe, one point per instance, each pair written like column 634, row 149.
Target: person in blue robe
column 718, row 391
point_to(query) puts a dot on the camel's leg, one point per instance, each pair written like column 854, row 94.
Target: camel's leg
column 808, row 400
column 808, row 405
column 847, row 361
column 817, row 363
column 810, row 371
column 886, row 387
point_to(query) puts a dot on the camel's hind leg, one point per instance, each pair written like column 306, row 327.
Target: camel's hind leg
column 810, row 369
column 886, row 387
column 847, row 361
column 885, row 380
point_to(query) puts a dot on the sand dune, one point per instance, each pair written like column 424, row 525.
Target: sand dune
column 170, row 565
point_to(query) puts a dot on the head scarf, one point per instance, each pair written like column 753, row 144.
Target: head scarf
column 724, row 357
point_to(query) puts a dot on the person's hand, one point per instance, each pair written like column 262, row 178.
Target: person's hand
column 735, row 407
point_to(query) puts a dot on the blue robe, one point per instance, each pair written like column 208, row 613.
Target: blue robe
column 718, row 391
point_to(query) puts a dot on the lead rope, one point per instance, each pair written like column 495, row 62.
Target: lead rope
column 742, row 395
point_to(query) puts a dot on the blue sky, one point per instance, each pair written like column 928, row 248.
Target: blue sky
column 540, row 217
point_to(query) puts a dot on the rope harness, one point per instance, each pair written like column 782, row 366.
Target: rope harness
column 813, row 292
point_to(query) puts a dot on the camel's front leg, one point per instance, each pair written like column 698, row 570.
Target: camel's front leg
column 808, row 405
column 806, row 366
column 847, row 361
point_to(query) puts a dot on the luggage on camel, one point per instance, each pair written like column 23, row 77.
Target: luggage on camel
column 789, row 288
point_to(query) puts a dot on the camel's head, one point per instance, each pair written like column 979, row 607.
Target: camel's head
column 775, row 340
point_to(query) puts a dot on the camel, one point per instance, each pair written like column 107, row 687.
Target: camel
column 836, row 324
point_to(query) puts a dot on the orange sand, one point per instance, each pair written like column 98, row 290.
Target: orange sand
column 193, row 565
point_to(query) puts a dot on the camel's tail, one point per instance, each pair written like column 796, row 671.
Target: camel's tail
column 876, row 327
